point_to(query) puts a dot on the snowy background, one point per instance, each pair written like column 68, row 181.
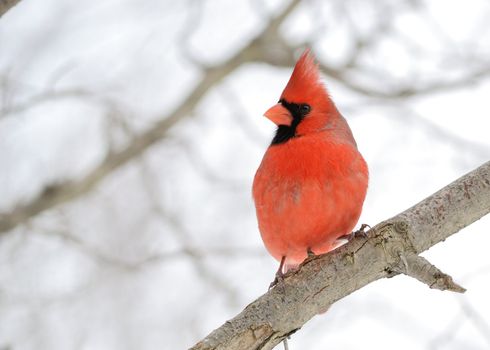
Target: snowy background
column 130, row 132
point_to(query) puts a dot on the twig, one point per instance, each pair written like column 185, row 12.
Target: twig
column 421, row 269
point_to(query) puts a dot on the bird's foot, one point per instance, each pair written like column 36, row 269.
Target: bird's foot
column 361, row 232
column 310, row 253
column 279, row 274
column 278, row 279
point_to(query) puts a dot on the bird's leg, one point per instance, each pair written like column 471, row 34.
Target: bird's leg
column 310, row 253
column 279, row 273
column 361, row 232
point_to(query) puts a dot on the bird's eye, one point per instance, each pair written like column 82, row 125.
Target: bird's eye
column 304, row 109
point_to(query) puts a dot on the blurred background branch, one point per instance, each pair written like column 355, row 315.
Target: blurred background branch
column 6, row 5
column 129, row 137
column 56, row 194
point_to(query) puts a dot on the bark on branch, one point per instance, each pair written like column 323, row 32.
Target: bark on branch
column 391, row 247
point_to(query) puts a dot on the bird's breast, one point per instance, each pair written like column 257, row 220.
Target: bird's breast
column 307, row 193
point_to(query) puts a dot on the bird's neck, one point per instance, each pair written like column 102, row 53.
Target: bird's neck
column 332, row 126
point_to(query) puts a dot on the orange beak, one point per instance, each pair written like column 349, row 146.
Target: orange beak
column 279, row 115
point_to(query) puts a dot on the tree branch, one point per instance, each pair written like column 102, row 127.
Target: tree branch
column 343, row 75
column 390, row 248
column 6, row 5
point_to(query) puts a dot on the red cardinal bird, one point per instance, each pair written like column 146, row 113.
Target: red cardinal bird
column 311, row 184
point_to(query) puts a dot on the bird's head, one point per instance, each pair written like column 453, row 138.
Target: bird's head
column 304, row 106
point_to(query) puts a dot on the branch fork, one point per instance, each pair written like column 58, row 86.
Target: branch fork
column 409, row 262
column 418, row 267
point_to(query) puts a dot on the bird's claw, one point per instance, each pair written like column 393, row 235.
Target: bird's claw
column 279, row 274
column 278, row 279
column 361, row 232
column 310, row 253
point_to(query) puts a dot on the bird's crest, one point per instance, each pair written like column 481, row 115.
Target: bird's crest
column 305, row 80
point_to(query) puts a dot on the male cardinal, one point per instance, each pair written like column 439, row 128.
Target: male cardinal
column 311, row 184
